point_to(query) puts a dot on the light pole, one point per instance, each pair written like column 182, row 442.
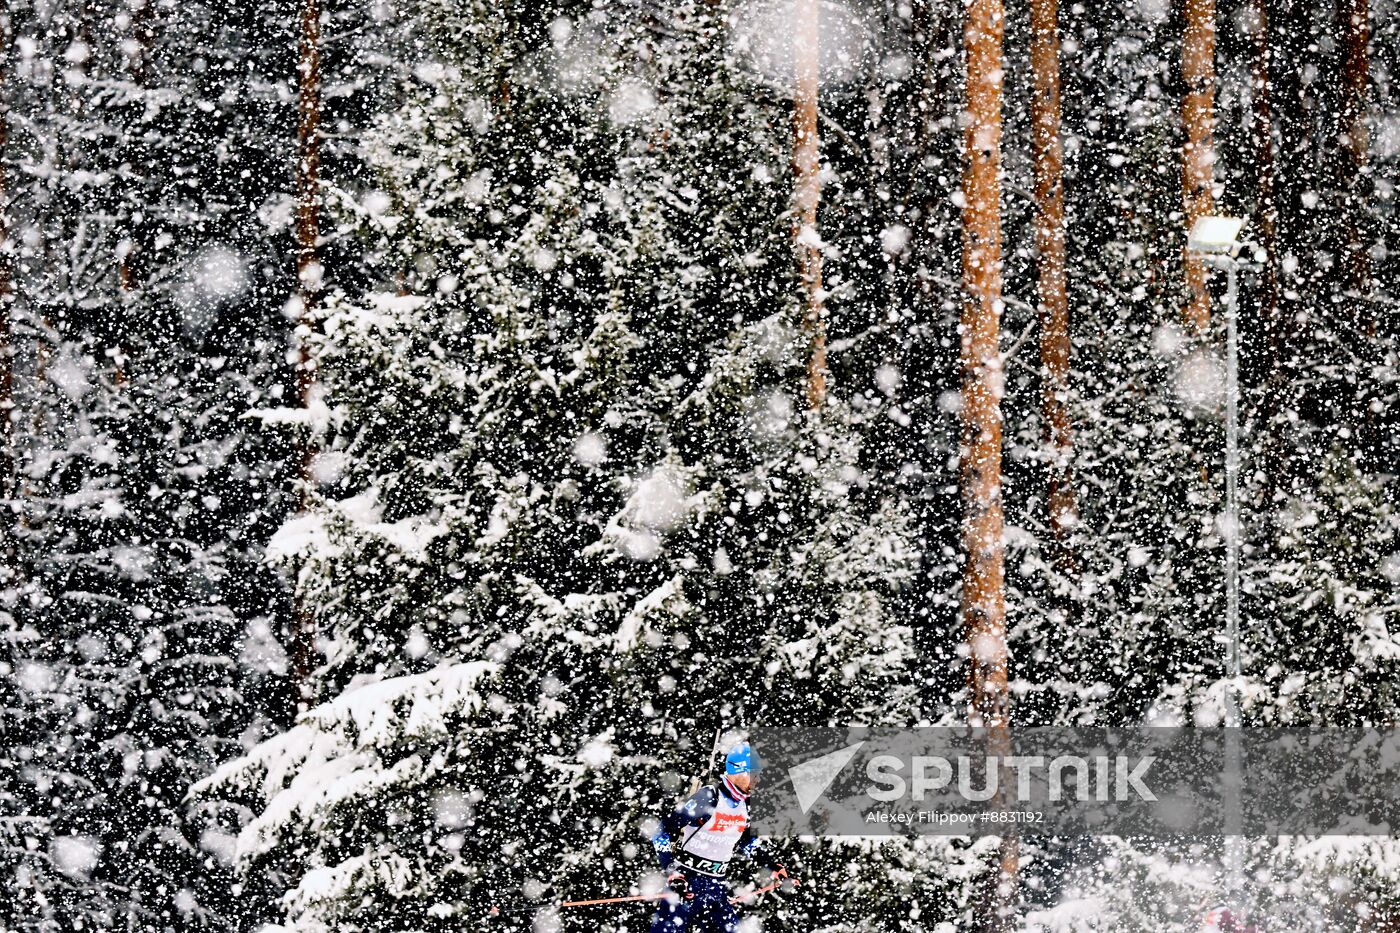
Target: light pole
column 1216, row 241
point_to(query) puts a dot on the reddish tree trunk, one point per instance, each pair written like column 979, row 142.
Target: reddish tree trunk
column 1198, row 118
column 806, row 171
column 983, row 596
column 308, row 208
column 983, row 603
column 1048, row 158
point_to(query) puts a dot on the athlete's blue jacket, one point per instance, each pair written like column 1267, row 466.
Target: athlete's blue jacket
column 706, row 830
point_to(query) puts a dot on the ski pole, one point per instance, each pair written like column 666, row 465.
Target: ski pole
column 615, row 900
column 756, row 892
column 633, row 898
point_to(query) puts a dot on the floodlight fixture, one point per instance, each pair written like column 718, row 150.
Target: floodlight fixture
column 1215, row 235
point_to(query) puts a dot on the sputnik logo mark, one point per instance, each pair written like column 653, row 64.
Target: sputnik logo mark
column 810, row 779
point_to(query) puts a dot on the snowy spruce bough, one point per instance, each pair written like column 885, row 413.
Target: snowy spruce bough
column 572, row 514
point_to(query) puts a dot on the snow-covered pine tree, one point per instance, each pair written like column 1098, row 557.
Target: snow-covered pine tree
column 1142, row 396
column 1154, row 417
column 1140, row 388
column 1322, row 489
column 1147, row 401
column 1313, row 884
column 575, row 517
column 138, row 635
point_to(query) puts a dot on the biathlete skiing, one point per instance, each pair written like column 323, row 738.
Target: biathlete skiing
column 696, row 843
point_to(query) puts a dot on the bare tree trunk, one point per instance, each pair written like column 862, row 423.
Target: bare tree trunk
column 1048, row 157
column 806, row 171
column 9, row 461
column 138, row 53
column 309, row 273
column 983, row 596
column 1272, row 369
column 1296, row 109
column 1354, row 137
column 1266, row 210
column 1198, row 117
column 1354, row 32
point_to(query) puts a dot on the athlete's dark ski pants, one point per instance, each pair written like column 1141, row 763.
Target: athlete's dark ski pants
column 709, row 911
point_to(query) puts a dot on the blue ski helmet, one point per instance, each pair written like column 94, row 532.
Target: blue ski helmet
column 742, row 759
